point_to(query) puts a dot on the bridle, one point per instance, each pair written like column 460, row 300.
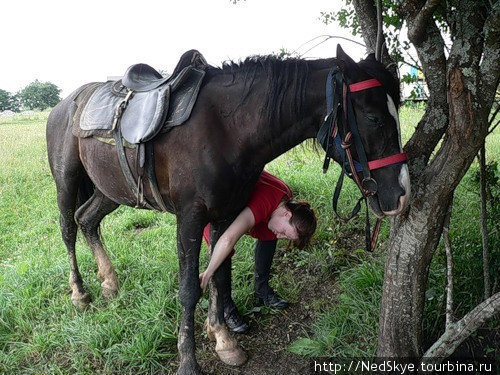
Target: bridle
column 340, row 112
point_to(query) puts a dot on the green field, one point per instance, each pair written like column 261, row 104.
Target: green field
column 41, row 332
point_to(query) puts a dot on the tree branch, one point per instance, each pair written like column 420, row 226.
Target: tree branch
column 449, row 267
column 418, row 24
column 461, row 330
column 490, row 68
column 380, row 31
column 326, row 37
column 492, row 119
column 484, row 225
column 492, row 129
column 367, row 17
column 435, row 120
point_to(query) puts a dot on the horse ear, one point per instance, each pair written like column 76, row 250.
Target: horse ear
column 346, row 64
column 371, row 56
column 341, row 55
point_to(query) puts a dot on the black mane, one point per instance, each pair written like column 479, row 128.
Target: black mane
column 283, row 74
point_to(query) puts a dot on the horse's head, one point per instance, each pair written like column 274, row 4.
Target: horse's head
column 376, row 112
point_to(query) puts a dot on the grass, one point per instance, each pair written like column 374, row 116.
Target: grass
column 41, row 332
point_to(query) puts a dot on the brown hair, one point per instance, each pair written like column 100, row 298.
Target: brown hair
column 303, row 219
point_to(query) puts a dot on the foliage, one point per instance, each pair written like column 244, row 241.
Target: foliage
column 347, row 18
column 8, row 101
column 4, row 100
column 40, row 95
column 399, row 48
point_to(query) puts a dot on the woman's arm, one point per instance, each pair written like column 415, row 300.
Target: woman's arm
column 242, row 224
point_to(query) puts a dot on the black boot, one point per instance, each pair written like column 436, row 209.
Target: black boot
column 265, row 295
column 234, row 320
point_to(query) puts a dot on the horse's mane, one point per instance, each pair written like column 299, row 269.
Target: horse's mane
column 291, row 74
column 282, row 74
column 379, row 71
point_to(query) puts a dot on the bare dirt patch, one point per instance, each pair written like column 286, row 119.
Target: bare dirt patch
column 271, row 334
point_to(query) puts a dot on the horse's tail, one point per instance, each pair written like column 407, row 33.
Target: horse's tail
column 85, row 190
column 62, row 150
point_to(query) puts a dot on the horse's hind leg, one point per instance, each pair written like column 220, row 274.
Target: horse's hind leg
column 67, row 190
column 89, row 217
column 72, row 184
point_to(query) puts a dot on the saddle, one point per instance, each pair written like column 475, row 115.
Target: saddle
column 144, row 102
column 134, row 110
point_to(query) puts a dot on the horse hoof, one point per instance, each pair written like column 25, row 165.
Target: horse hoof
column 81, row 302
column 210, row 334
column 232, row 357
column 189, row 369
column 109, row 293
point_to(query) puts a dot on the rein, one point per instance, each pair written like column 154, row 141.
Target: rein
column 340, row 111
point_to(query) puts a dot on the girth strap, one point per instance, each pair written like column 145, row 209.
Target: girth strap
column 150, row 171
column 135, row 187
column 144, row 163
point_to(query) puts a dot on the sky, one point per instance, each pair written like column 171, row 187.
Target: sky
column 71, row 43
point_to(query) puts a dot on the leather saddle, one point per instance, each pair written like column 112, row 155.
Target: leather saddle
column 142, row 77
column 135, row 109
column 144, row 103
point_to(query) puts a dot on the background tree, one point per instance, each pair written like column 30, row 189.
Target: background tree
column 462, row 78
column 5, row 98
column 9, row 101
column 40, row 95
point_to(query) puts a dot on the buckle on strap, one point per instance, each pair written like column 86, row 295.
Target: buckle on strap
column 369, row 187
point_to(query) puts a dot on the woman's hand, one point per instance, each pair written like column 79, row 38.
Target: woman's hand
column 242, row 224
column 204, row 278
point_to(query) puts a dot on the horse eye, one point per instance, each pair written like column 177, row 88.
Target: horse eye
column 373, row 119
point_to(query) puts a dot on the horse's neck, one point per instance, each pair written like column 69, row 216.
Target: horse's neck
column 279, row 137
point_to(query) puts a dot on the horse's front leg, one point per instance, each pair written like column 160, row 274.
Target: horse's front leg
column 189, row 232
column 226, row 346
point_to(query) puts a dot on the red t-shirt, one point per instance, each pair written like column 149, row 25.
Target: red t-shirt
column 266, row 196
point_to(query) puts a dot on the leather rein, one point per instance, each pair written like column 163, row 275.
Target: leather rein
column 340, row 112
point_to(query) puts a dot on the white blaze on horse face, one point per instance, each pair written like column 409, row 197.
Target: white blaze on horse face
column 394, row 112
column 404, row 174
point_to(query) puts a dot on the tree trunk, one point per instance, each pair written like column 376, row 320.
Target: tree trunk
column 414, row 240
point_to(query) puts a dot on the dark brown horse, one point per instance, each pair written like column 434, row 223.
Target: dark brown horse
column 246, row 115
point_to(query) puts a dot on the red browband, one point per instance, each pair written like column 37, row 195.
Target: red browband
column 393, row 159
column 363, row 85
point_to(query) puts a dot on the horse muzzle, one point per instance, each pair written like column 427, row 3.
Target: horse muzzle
column 382, row 208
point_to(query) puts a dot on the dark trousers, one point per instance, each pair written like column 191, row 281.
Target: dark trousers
column 264, row 254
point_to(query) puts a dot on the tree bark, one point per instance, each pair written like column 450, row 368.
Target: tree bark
column 407, row 265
